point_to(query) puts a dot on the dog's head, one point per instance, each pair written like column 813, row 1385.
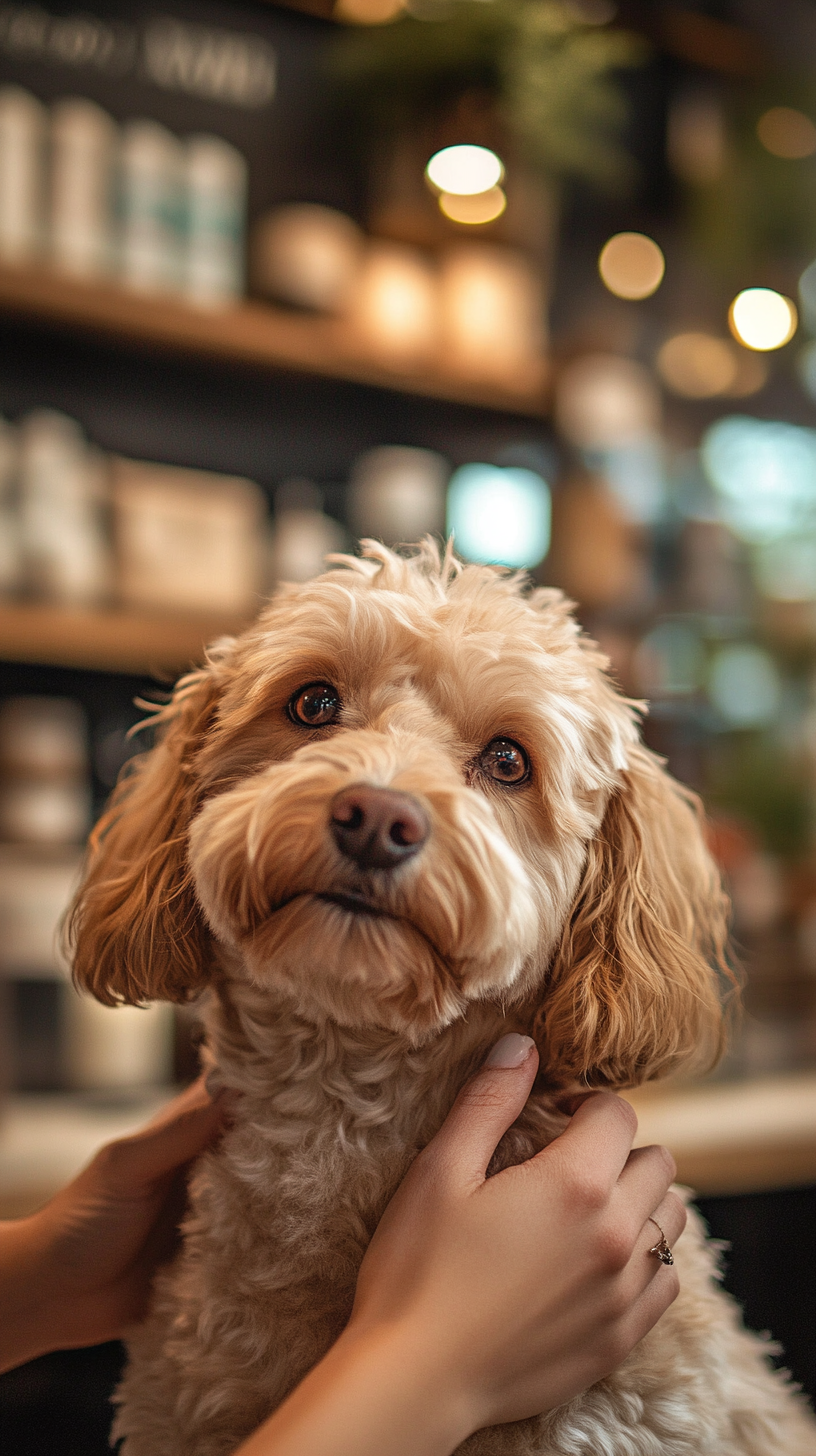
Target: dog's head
column 411, row 786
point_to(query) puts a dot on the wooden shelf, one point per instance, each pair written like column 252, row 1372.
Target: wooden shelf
column 734, row 1137
column 157, row 644
column 250, row 333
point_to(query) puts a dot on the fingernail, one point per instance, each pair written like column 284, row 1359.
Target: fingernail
column 214, row 1084
column 510, row 1051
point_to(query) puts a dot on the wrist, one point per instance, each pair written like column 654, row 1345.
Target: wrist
column 379, row 1391
column 414, row 1370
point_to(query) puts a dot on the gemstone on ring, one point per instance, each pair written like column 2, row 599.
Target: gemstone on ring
column 661, row 1249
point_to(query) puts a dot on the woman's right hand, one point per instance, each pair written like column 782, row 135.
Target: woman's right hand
column 487, row 1300
column 520, row 1290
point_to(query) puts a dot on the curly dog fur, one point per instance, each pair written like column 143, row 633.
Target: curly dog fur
column 578, row 904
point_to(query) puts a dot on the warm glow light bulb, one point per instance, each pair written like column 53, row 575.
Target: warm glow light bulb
column 474, row 208
column 787, row 133
column 367, row 12
column 464, row 170
column 631, row 265
column 762, row 319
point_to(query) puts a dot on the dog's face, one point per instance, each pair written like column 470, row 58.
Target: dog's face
column 408, row 787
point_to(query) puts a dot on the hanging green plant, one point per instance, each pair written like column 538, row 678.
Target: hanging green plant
column 549, row 73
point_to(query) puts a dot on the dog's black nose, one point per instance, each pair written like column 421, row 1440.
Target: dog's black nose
column 378, row 828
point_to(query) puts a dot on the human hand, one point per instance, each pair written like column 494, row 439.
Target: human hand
column 79, row 1271
column 514, row 1293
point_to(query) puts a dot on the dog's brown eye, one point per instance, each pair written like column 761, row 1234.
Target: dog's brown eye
column 504, row 761
column 316, row 705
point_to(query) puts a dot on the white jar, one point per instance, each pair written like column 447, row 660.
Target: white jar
column 84, row 141
column 397, row 493
column 66, row 555
column 152, row 206
column 216, row 220
column 23, row 132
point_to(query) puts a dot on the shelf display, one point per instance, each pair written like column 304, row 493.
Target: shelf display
column 96, row 200
column 256, row 334
column 187, row 540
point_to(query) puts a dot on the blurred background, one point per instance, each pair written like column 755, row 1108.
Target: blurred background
column 538, row 272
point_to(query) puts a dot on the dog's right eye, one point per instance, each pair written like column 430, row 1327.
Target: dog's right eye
column 314, row 706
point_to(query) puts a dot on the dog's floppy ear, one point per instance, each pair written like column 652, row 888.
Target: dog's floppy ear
column 135, row 929
column 635, row 986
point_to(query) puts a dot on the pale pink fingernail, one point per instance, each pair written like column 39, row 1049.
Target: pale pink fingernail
column 510, row 1051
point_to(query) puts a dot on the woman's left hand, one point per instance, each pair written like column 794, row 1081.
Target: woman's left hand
column 79, row 1270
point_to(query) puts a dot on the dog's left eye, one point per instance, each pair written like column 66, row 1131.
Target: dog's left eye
column 504, row 761
column 315, row 705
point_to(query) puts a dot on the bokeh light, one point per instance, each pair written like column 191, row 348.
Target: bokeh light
column 765, row 474
column 743, row 686
column 762, row 319
column 473, row 208
column 785, row 570
column 631, row 265
column 697, row 365
column 635, row 474
column 464, row 170
column 500, row 515
column 670, row 661
column 604, row 401
column 807, row 297
column 787, row 133
column 367, row 12
column 806, row 369
column 395, row 303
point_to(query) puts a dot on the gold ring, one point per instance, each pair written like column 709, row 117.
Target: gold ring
column 661, row 1249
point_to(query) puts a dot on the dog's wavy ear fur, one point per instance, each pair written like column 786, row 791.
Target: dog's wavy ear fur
column 635, row 988
column 135, row 931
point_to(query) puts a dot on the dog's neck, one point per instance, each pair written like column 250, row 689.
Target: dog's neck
column 358, row 1080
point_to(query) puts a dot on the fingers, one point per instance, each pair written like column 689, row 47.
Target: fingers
column 597, row 1141
column 657, row 1295
column 180, row 1132
column 486, row 1107
column 644, row 1183
column 643, row 1267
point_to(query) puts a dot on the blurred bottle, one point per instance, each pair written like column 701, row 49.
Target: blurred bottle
column 397, row 494
column 216, row 220
column 23, row 132
column 10, row 557
column 44, row 788
column 307, row 255
column 152, row 207
column 492, row 314
column 66, row 554
column 84, row 141
column 303, row 536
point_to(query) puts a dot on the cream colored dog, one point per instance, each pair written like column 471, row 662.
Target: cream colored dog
column 404, row 813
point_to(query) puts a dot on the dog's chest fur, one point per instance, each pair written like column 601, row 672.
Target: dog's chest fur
column 282, row 1215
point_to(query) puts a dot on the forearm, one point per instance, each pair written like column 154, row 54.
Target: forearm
column 376, row 1394
column 24, row 1312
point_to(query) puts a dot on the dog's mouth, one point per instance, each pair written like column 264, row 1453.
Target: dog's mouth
column 355, row 904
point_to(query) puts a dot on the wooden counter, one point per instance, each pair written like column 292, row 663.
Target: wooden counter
column 732, row 1138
